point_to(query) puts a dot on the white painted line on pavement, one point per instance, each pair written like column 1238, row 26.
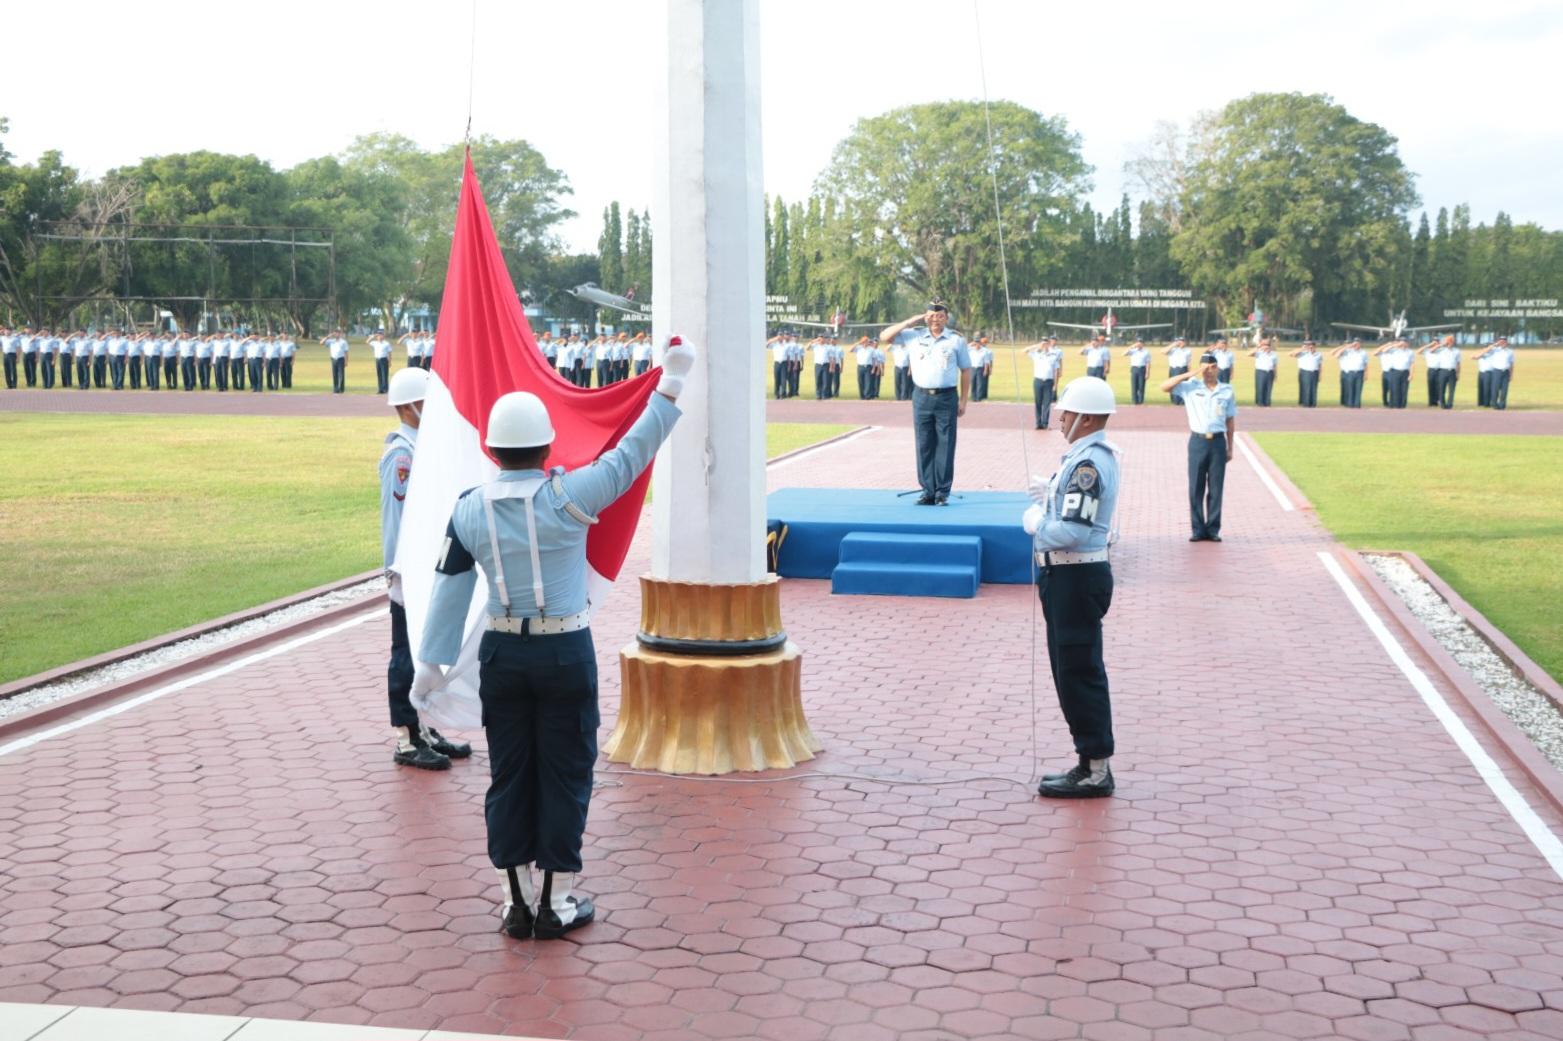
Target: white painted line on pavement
column 1533, row 826
column 1269, row 482
column 807, row 452
column 152, row 695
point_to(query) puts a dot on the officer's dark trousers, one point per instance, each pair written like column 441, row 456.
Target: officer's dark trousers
column 1500, row 388
column 1399, row 388
column 287, row 373
column 779, row 379
column 116, row 371
column 1264, row 387
column 1207, row 476
column 1447, row 388
column 46, row 370
column 1042, row 399
column 1308, row 389
column 135, row 372
column 382, row 374
column 642, row 366
column 1096, row 370
column 30, row 367
column 399, row 674
column 1483, row 389
column 1351, row 389
column 83, row 372
column 874, row 379
column 273, row 373
column 67, row 369
column 862, row 383
column 1075, row 597
column 933, row 425
column 257, row 374
column 171, row 372
column 1383, row 382
column 10, row 372
column 903, row 383
column 152, row 374
column 187, row 372
column 794, row 379
column 1137, row 384
column 540, row 714
column 338, row 375
column 821, row 380
column 1435, row 388
column 220, row 373
column 1224, row 375
column 203, row 372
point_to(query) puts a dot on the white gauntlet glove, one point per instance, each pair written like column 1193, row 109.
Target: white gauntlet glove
column 1037, row 489
column 426, row 679
column 1031, row 520
column 677, row 359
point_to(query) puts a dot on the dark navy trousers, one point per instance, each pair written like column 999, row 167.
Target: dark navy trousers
column 933, row 425
column 1207, row 476
column 540, row 713
column 399, row 674
column 1075, row 599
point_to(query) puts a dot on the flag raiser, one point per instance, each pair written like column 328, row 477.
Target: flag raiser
column 484, row 349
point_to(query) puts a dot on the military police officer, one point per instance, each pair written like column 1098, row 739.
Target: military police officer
column 416, row 745
column 1212, row 416
column 538, row 665
column 1071, row 524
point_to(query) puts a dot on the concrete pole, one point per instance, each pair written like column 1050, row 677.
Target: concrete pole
column 709, row 286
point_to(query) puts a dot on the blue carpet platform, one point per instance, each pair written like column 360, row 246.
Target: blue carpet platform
column 874, row 541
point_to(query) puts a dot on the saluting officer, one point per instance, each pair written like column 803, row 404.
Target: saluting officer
column 1500, row 370
column 1098, row 357
column 1212, row 415
column 1309, row 363
column 941, row 378
column 380, row 347
column 416, row 745
column 1264, row 372
column 1223, row 355
column 538, row 679
column 1177, row 353
column 1047, row 368
column 1071, row 524
column 640, row 353
column 1353, row 372
column 10, row 347
column 1139, row 369
column 289, row 350
column 336, row 346
column 29, row 357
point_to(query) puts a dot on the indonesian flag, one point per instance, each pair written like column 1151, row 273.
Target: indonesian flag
column 485, row 349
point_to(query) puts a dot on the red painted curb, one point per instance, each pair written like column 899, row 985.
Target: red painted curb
column 157, row 643
column 1540, row 771
column 88, row 699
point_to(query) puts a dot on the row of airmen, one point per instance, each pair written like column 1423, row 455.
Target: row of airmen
column 788, row 355
column 113, row 359
column 611, row 359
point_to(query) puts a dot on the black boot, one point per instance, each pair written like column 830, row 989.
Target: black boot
column 1094, row 782
column 435, row 740
column 550, row 924
column 1072, row 775
column 517, row 915
column 412, row 750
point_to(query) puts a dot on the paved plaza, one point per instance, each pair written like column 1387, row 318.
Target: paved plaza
column 1302, row 844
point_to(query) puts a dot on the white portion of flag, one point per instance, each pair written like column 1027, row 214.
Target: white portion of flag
column 448, row 461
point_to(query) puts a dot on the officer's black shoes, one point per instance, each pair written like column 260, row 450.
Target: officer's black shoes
column 1095, row 781
column 925, row 500
column 942, row 500
column 559, row 913
column 1212, row 538
column 1072, row 775
column 435, row 740
column 413, row 750
column 516, row 919
column 1196, row 538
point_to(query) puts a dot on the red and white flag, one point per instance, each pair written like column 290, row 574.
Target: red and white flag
column 484, row 349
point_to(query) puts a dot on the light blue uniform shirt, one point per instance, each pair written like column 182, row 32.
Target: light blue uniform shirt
column 936, row 362
column 395, row 469
column 1209, row 408
column 561, row 537
column 1081, row 498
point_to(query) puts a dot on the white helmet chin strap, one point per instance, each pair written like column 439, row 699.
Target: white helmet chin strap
column 417, row 410
column 1074, row 424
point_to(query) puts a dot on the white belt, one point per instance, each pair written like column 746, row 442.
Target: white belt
column 1054, row 557
column 573, row 623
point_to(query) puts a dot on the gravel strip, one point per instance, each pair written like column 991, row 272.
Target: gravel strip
column 37, row 697
column 1527, row 707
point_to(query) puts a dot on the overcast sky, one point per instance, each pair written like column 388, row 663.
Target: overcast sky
column 1470, row 89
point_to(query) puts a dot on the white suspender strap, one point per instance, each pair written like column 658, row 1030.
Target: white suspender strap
column 557, row 481
column 493, row 547
column 526, row 491
column 537, row 562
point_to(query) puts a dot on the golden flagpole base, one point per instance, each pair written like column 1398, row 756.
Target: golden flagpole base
column 711, row 684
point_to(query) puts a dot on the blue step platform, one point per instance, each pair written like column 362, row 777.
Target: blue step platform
column 901, row 564
column 818, row 519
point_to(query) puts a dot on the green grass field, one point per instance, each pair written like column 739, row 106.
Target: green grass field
column 120, row 528
column 1482, row 511
column 1538, row 379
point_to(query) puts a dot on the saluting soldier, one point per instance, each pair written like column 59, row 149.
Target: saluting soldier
column 29, row 344
column 10, row 348
column 1098, row 357
column 1264, row 372
column 1071, row 524
column 1212, row 416
column 1047, row 368
column 1500, row 370
column 336, row 347
column 941, row 377
column 1139, row 369
column 1309, row 363
column 1223, row 355
column 538, row 679
column 254, row 358
column 380, row 347
column 1353, row 371
column 1177, row 353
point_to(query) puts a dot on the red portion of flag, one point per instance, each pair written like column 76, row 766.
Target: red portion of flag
column 485, row 349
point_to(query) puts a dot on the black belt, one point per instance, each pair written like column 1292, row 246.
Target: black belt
column 937, row 390
column 1209, row 437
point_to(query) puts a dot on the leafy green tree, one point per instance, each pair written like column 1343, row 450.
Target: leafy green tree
column 916, row 189
column 1422, row 288
column 610, row 249
column 1291, row 193
column 778, row 262
column 632, row 252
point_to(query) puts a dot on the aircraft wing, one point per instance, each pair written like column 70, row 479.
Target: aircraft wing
column 1363, row 328
column 1126, row 328
column 1430, row 328
column 1234, row 329
column 1097, row 326
column 1278, row 329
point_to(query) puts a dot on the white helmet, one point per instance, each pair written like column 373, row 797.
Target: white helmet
column 1088, row 396
column 407, row 386
column 519, row 420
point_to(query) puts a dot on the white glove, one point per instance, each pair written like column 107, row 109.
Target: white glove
column 677, row 359
column 426, row 679
column 1037, row 489
column 1031, row 520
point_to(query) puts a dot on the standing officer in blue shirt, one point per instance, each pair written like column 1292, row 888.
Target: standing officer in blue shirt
column 1139, row 370
column 416, row 745
column 941, row 382
column 1098, row 357
column 1212, row 413
column 538, row 665
column 1071, row 525
column 1500, row 370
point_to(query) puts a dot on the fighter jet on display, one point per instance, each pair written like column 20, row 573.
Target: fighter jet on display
column 1256, row 328
column 1108, row 324
column 593, row 294
column 1397, row 327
